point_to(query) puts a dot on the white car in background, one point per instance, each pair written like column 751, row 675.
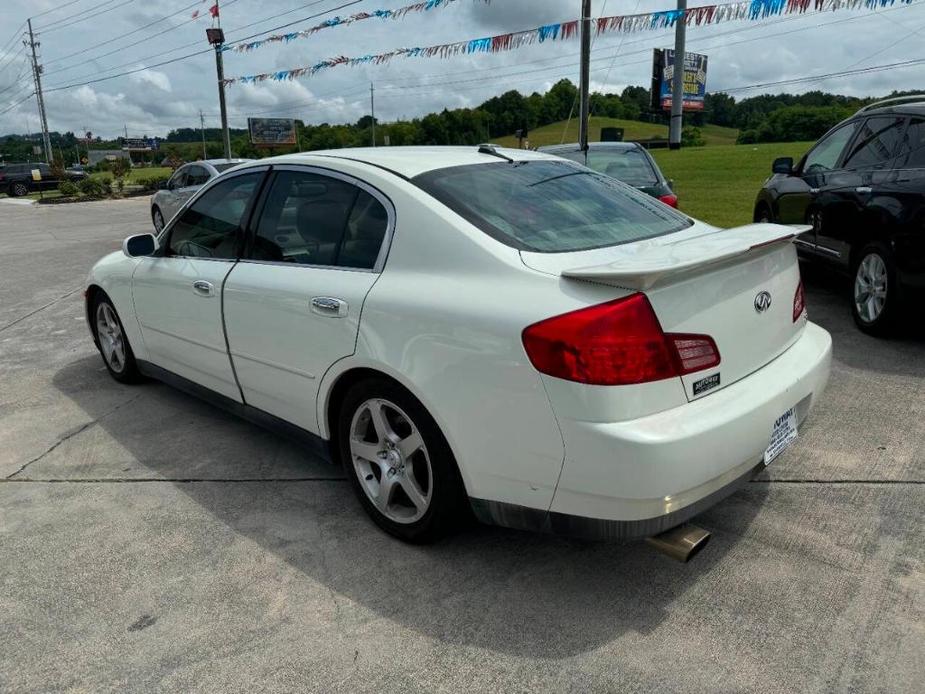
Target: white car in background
column 475, row 327
column 183, row 184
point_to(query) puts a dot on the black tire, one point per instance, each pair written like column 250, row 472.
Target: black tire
column 126, row 371
column 448, row 506
column 19, row 189
column 155, row 211
column 886, row 321
column 763, row 213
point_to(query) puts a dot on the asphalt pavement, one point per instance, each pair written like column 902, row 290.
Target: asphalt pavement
column 149, row 542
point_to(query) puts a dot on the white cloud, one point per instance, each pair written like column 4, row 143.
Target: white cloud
column 152, row 77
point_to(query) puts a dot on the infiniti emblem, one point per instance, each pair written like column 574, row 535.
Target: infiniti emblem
column 762, row 302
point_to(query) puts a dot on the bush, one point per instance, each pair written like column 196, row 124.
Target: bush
column 68, row 189
column 151, row 183
column 692, row 137
column 93, row 188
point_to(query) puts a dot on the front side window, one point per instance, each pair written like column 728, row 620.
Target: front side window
column 550, row 206
column 197, row 176
column 178, row 180
column 312, row 219
column 628, row 165
column 912, row 149
column 210, row 227
column 876, row 142
column 824, row 156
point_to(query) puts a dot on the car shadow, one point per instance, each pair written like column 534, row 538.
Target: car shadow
column 828, row 301
column 506, row 591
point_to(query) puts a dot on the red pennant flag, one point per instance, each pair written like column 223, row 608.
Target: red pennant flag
column 195, row 14
column 214, row 10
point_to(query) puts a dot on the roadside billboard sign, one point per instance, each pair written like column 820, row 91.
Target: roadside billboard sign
column 138, row 144
column 271, row 132
column 695, row 80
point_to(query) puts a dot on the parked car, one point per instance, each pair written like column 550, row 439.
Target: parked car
column 184, row 182
column 17, row 180
column 629, row 162
column 862, row 190
column 502, row 330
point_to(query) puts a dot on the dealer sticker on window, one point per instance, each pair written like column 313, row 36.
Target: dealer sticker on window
column 782, row 435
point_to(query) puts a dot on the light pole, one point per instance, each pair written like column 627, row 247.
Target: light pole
column 217, row 39
column 677, row 80
column 585, row 75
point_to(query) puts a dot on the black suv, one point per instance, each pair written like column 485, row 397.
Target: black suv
column 862, row 189
column 16, row 179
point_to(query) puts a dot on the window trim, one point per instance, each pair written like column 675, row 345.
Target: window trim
column 381, row 197
column 899, row 150
column 163, row 239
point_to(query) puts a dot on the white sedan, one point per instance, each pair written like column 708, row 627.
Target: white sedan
column 476, row 328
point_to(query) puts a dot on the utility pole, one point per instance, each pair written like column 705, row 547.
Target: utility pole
column 677, row 80
column 37, row 75
column 202, row 129
column 217, row 38
column 585, row 76
column 372, row 108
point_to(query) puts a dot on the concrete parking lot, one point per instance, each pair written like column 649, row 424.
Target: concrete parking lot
column 151, row 542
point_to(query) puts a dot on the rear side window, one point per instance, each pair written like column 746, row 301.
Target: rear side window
column 210, row 227
column 197, row 176
column 550, row 206
column 876, row 142
column 312, row 219
column 912, row 149
column 628, row 165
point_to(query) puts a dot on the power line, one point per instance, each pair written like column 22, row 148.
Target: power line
column 10, row 108
column 55, row 9
column 72, row 19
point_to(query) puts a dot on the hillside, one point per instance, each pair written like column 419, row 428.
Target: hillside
column 552, row 134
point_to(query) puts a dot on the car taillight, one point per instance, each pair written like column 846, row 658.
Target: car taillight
column 671, row 200
column 617, row 343
column 799, row 301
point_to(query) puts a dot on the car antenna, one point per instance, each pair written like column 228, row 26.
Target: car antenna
column 493, row 151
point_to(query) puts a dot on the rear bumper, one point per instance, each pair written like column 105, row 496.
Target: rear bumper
column 636, row 478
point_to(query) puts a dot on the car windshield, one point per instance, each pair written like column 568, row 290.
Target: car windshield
column 550, row 206
column 226, row 166
column 629, row 165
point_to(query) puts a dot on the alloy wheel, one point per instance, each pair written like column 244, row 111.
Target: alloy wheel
column 391, row 461
column 158, row 220
column 20, row 190
column 109, row 333
column 870, row 287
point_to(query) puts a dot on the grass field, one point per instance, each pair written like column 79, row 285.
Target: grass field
column 719, row 184
column 633, row 130
column 136, row 174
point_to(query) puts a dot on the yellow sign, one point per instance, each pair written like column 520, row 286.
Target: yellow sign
column 36, row 175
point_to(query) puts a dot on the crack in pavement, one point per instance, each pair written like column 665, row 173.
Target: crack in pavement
column 71, row 434
column 41, row 308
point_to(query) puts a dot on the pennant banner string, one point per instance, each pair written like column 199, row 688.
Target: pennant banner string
column 750, row 10
column 398, row 13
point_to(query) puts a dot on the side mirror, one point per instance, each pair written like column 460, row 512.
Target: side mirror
column 140, row 245
column 782, row 165
column 163, row 185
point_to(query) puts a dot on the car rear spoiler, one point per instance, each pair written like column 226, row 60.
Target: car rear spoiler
column 653, row 264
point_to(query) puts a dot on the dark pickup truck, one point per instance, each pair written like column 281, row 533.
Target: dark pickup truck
column 16, row 179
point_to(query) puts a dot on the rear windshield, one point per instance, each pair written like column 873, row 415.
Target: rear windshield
column 550, row 206
column 224, row 167
column 629, row 165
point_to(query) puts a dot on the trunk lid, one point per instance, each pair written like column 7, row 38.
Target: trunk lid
column 705, row 281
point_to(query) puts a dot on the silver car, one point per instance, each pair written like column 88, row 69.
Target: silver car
column 183, row 184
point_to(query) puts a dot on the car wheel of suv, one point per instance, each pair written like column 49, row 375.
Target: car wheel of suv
column 398, row 462
column 763, row 214
column 113, row 344
column 19, row 189
column 158, row 218
column 876, row 294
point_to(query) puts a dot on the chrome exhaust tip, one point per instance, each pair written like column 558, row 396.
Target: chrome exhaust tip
column 681, row 543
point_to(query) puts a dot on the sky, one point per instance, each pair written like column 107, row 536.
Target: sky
column 154, row 100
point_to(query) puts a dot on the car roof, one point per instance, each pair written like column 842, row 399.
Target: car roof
column 213, row 162
column 411, row 161
column 915, row 109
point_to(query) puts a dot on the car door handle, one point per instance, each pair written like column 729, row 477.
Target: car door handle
column 864, row 190
column 329, row 306
column 814, row 191
column 203, row 288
